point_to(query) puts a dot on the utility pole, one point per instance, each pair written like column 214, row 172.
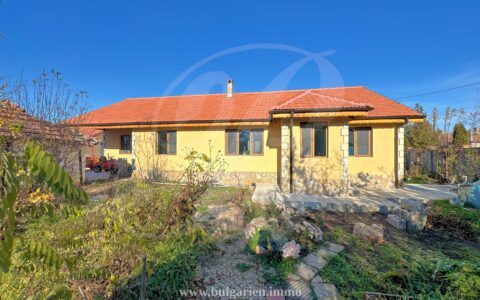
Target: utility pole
column 434, row 121
column 446, row 125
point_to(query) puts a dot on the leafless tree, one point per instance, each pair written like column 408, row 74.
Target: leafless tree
column 50, row 99
column 150, row 165
column 3, row 91
column 473, row 120
column 453, row 116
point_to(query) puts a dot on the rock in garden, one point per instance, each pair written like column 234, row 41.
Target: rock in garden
column 336, row 248
column 231, row 218
column 253, row 226
column 417, row 225
column 259, row 250
column 291, row 249
column 408, row 215
column 412, row 205
column 397, row 222
column 313, row 231
column 372, row 233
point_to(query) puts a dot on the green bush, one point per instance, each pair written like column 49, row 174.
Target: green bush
column 253, row 211
column 243, row 267
column 422, row 179
column 105, row 242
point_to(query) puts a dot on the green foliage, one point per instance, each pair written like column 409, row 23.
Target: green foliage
column 422, row 179
column 268, row 211
column 421, row 135
column 460, row 135
column 262, row 238
column 22, row 171
column 177, row 267
column 243, row 267
column 102, row 244
column 61, row 292
column 200, row 173
column 276, row 270
column 419, row 108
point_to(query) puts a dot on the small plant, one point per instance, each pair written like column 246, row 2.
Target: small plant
column 243, row 267
column 276, row 269
column 201, row 172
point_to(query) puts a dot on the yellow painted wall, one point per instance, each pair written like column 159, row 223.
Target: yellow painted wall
column 324, row 174
column 112, row 144
column 198, row 138
column 313, row 174
column 382, row 161
column 310, row 174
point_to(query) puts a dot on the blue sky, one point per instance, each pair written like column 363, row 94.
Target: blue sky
column 119, row 49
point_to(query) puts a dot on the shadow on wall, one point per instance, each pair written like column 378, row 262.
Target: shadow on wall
column 274, row 141
column 381, row 179
column 149, row 164
column 324, row 175
column 319, row 175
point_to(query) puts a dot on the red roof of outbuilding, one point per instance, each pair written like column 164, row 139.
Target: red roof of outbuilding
column 245, row 106
column 16, row 123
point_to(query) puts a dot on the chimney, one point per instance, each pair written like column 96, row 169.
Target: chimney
column 229, row 88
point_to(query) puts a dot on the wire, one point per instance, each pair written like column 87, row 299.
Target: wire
column 439, row 91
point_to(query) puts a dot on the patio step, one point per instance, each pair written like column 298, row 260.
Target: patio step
column 265, row 193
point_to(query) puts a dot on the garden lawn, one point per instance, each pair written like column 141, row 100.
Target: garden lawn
column 428, row 265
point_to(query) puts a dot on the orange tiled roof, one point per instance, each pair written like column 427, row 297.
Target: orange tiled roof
column 90, row 132
column 245, row 106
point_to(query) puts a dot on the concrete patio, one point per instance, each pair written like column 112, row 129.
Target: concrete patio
column 362, row 200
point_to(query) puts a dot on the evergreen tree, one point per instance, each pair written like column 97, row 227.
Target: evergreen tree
column 421, row 135
column 460, row 135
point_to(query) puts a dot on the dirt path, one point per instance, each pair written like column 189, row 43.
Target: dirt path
column 229, row 268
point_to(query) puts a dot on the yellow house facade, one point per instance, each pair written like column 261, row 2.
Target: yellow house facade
column 307, row 141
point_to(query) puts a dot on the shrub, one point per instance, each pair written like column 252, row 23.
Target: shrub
column 243, row 267
column 200, row 173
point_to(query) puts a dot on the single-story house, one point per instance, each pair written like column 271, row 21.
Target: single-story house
column 313, row 141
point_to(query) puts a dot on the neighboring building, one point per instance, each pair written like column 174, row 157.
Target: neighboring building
column 475, row 137
column 313, row 141
column 93, row 150
column 17, row 126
